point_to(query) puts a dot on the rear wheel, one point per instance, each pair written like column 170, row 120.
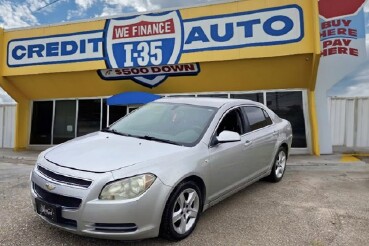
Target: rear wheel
column 181, row 212
column 279, row 166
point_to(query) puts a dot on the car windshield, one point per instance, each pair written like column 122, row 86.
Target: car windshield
column 180, row 124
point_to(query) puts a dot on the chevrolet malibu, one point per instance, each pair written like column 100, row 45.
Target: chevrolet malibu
column 153, row 172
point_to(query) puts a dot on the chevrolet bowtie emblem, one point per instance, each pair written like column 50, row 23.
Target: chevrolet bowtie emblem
column 49, row 186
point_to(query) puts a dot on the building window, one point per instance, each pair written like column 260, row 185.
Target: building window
column 104, row 121
column 179, row 95
column 89, row 116
column 257, row 118
column 289, row 106
column 64, row 121
column 256, row 97
column 213, row 95
column 116, row 112
column 41, row 125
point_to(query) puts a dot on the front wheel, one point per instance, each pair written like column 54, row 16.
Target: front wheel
column 181, row 212
column 279, row 165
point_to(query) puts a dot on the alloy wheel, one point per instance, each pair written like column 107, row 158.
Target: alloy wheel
column 280, row 164
column 185, row 211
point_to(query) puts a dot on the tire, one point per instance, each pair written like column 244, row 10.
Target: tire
column 279, row 166
column 181, row 212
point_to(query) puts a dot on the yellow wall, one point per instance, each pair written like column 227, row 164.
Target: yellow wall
column 237, row 75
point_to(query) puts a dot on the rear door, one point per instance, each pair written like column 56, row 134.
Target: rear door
column 261, row 138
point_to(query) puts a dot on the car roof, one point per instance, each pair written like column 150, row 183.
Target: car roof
column 206, row 101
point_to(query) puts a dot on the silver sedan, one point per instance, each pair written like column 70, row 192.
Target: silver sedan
column 153, row 172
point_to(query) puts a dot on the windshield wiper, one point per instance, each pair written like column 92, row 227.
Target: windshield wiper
column 146, row 137
column 151, row 138
column 116, row 132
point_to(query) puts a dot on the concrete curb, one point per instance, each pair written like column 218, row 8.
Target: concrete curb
column 20, row 158
column 26, row 157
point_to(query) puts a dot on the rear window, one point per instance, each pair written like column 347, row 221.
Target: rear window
column 257, row 117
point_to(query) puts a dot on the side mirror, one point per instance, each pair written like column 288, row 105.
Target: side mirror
column 228, row 136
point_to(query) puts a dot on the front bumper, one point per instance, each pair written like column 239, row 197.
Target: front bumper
column 123, row 220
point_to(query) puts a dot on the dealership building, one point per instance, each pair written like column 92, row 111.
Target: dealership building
column 279, row 53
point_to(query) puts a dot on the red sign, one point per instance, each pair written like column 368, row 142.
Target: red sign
column 334, row 8
column 143, row 29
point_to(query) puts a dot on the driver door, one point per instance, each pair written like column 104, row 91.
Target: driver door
column 227, row 165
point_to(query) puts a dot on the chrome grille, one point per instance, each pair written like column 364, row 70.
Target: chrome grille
column 64, row 179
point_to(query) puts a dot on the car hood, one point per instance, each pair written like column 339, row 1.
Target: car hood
column 102, row 152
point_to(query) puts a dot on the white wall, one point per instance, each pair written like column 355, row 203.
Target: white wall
column 349, row 122
column 7, row 125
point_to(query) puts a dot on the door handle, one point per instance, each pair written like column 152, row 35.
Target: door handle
column 247, row 143
column 275, row 133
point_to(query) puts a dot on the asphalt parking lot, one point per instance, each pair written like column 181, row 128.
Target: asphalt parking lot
column 320, row 203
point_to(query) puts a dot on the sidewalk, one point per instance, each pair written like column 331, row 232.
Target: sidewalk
column 24, row 156
column 325, row 160
column 30, row 157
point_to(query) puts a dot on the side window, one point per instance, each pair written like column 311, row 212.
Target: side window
column 257, row 117
column 231, row 122
column 267, row 117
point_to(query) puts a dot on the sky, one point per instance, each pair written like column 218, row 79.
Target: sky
column 355, row 84
column 22, row 13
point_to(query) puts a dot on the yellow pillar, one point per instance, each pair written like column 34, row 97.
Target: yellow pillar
column 22, row 115
column 23, row 103
column 312, row 82
column 313, row 123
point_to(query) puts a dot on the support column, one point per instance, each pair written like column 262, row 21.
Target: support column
column 313, row 123
column 22, row 121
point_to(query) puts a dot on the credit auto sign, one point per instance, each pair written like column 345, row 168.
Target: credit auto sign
column 160, row 39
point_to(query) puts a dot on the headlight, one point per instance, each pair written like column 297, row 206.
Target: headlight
column 127, row 188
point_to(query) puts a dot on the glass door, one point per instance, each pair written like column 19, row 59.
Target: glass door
column 116, row 112
column 89, row 116
column 64, row 121
column 42, row 117
column 289, row 105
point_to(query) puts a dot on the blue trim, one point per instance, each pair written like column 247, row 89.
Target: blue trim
column 132, row 97
column 105, row 52
column 52, row 62
column 56, row 35
column 56, row 62
column 295, row 6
